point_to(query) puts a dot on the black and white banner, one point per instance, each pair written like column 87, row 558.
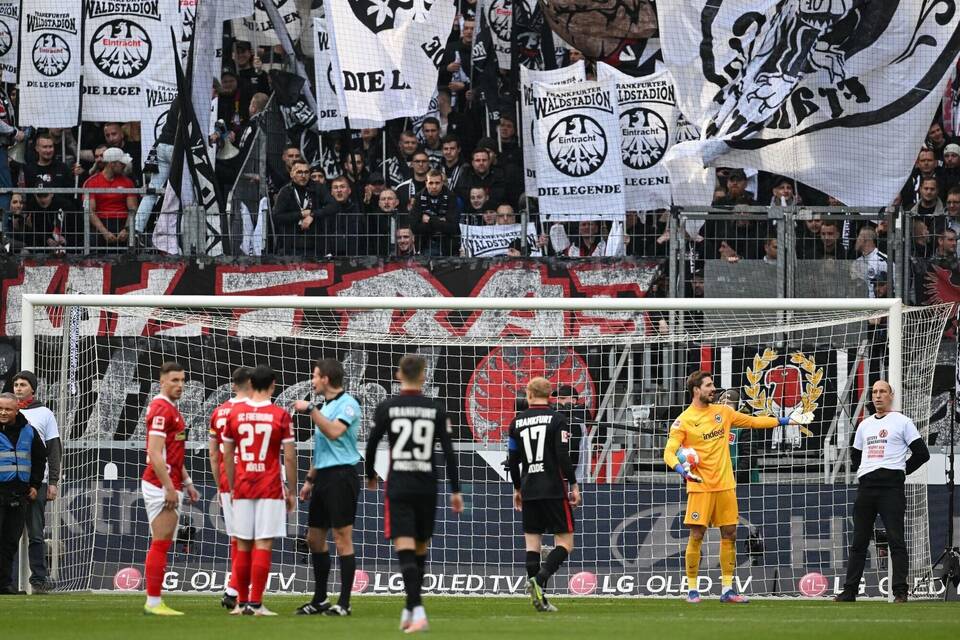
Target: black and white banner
column 257, row 29
column 50, row 63
column 9, row 39
column 387, row 54
column 579, row 173
column 158, row 97
column 649, row 121
column 811, row 89
column 497, row 16
column 126, row 47
column 494, row 240
column 566, row 75
column 329, row 117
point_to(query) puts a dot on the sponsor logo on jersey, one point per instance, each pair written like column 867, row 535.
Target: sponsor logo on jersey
column 695, row 515
column 883, row 433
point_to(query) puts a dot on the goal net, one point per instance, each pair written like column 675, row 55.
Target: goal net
column 622, row 362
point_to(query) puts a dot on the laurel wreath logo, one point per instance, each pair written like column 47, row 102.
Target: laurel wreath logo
column 763, row 405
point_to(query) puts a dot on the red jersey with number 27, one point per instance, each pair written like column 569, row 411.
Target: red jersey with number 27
column 218, row 421
column 164, row 419
column 258, row 429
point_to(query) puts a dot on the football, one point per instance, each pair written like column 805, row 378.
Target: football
column 688, row 458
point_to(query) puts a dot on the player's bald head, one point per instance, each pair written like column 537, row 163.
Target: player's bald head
column 882, row 385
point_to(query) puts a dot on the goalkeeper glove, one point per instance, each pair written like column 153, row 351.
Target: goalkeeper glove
column 686, row 475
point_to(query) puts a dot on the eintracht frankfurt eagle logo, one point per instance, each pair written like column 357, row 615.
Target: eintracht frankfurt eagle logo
column 645, row 137
column 51, row 54
column 499, row 17
column 6, row 39
column 382, row 15
column 577, row 146
column 121, row 49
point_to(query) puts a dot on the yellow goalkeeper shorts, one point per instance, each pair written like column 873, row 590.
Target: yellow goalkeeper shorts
column 712, row 508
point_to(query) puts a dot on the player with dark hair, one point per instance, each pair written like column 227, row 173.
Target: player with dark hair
column 540, row 468
column 240, row 381
column 413, row 424
column 332, row 486
column 711, row 492
column 164, row 480
column 257, row 430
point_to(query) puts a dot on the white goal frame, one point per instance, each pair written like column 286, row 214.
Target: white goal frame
column 893, row 307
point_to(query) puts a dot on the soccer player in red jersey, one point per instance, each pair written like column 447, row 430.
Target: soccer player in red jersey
column 218, row 420
column 255, row 431
column 164, row 480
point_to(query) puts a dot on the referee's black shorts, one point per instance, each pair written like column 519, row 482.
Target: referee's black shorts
column 547, row 516
column 410, row 516
column 333, row 502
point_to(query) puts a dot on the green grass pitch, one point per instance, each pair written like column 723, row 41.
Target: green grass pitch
column 104, row 617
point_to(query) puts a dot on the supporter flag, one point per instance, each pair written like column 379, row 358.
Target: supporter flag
column 124, row 45
column 494, row 22
column 325, row 83
column 649, row 125
column 567, row 75
column 258, row 29
column 579, row 173
column 158, row 97
column 636, row 57
column 51, row 59
column 494, row 240
column 813, row 92
column 532, row 43
column 387, row 55
column 191, row 151
column 9, row 39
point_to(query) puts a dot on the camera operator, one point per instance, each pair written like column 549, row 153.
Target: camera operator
column 23, row 459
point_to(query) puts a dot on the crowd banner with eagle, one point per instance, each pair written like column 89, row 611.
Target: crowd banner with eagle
column 387, row 54
column 9, row 39
column 811, row 89
column 579, row 173
column 259, row 29
column 51, row 59
column 127, row 45
column 528, row 130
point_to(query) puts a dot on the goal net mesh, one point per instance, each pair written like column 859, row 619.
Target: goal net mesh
column 98, row 371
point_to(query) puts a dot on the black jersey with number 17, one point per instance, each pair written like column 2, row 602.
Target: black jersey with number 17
column 539, row 455
column 413, row 425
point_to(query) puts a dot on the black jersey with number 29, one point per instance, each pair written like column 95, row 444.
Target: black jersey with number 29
column 539, row 454
column 413, row 425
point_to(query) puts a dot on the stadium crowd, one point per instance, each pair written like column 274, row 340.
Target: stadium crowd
column 407, row 188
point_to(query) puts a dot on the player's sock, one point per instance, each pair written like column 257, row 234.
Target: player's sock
column 242, row 568
column 321, row 572
column 692, row 560
column 728, row 563
column 259, row 571
column 411, row 578
column 533, row 563
column 554, row 559
column 231, row 589
column 348, row 567
column 422, row 566
column 419, row 613
column 155, row 567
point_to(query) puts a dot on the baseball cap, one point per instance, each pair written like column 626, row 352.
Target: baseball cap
column 952, row 148
column 115, row 154
column 737, row 174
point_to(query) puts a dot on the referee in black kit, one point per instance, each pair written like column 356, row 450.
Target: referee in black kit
column 879, row 455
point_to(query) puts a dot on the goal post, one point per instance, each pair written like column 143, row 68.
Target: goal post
column 622, row 359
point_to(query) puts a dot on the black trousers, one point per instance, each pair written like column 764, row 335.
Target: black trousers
column 12, row 520
column 890, row 504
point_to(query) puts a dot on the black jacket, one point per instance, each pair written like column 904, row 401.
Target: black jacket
column 38, row 459
column 289, row 238
column 440, row 235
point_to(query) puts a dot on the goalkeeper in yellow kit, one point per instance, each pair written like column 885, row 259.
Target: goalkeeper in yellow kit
column 711, row 490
